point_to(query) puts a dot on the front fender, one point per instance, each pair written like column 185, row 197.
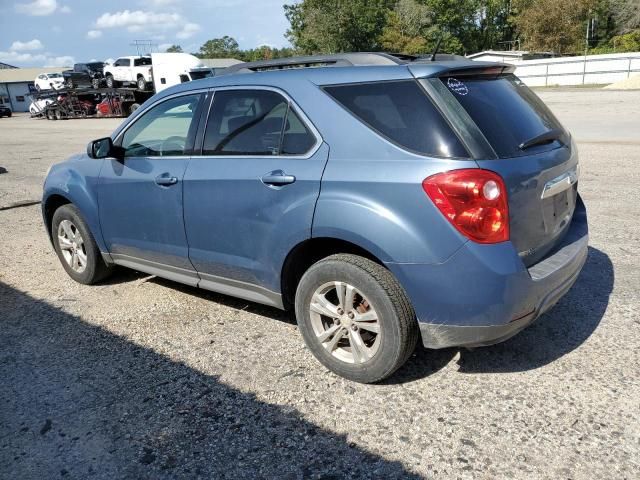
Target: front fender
column 76, row 180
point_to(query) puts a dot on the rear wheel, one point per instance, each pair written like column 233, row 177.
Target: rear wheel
column 111, row 83
column 95, row 83
column 355, row 318
column 133, row 107
column 70, row 84
column 76, row 247
column 141, row 83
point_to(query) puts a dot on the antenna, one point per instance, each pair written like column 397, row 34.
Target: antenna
column 435, row 50
column 144, row 47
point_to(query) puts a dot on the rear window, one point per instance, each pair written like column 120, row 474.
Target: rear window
column 140, row 62
column 401, row 112
column 506, row 111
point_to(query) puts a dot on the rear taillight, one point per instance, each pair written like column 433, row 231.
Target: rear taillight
column 474, row 201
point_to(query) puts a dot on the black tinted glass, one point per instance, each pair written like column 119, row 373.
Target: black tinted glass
column 251, row 122
column 297, row 139
column 138, row 62
column 506, row 111
column 401, row 112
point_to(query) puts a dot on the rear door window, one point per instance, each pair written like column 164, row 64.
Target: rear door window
column 403, row 113
column 506, row 111
column 255, row 122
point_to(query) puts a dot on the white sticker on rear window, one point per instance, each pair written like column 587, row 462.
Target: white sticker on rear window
column 457, row 86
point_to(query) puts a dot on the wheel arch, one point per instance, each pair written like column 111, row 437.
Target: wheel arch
column 310, row 251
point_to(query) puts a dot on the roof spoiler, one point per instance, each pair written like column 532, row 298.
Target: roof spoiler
column 488, row 69
column 336, row 60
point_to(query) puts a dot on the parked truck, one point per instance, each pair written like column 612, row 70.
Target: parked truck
column 129, row 71
column 174, row 68
column 85, row 75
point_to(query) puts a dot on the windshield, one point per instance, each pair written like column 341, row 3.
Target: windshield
column 507, row 112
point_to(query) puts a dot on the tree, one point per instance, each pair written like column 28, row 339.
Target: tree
column 550, row 25
column 406, row 27
column 225, row 47
column 330, row 26
column 174, row 49
column 626, row 14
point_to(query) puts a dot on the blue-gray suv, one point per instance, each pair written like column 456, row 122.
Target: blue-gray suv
column 384, row 198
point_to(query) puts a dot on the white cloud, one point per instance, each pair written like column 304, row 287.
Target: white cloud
column 151, row 23
column 138, row 20
column 93, row 34
column 65, row 9
column 36, row 59
column 189, row 30
column 163, row 46
column 37, row 7
column 29, row 46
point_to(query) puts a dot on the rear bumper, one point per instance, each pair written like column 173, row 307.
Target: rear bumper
column 484, row 294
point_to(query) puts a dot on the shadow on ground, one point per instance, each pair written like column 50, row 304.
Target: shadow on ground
column 77, row 401
column 560, row 331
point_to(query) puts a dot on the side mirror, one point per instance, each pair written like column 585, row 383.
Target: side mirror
column 104, row 148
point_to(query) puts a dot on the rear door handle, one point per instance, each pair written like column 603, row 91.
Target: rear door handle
column 277, row 178
column 166, row 180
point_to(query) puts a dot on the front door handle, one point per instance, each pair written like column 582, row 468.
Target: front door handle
column 277, row 178
column 166, row 180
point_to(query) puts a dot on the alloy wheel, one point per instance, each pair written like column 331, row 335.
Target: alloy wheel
column 345, row 322
column 72, row 246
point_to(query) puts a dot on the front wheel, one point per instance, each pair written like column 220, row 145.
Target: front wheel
column 76, row 247
column 355, row 318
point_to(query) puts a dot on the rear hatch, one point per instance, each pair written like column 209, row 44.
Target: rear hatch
column 525, row 144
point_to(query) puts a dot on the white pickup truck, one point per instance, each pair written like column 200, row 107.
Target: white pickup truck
column 129, row 70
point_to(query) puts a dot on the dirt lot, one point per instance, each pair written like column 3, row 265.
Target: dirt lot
column 143, row 378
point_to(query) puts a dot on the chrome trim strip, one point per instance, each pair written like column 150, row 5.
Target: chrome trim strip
column 226, row 286
column 239, row 289
column 177, row 274
column 560, row 183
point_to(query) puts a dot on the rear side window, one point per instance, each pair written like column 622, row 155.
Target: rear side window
column 255, row 122
column 506, row 111
column 140, row 62
column 401, row 112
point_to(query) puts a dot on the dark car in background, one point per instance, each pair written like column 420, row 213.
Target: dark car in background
column 5, row 110
column 85, row 75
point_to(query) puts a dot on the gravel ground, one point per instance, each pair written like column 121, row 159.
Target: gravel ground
column 144, row 378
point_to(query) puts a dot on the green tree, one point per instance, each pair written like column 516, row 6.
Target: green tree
column 329, row 26
column 626, row 14
column 174, row 49
column 225, row 47
column 406, row 28
column 550, row 25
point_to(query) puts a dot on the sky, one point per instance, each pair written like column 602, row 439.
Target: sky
column 37, row 33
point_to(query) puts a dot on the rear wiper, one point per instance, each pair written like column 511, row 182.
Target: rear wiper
column 546, row 137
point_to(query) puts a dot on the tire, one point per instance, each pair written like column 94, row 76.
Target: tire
column 95, row 83
column 377, row 294
column 70, row 84
column 58, row 115
column 38, row 87
column 111, row 83
column 95, row 269
column 133, row 107
column 141, row 84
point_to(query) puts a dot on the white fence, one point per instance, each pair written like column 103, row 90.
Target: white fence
column 592, row 69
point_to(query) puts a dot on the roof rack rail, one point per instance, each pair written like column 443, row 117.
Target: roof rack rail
column 334, row 60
